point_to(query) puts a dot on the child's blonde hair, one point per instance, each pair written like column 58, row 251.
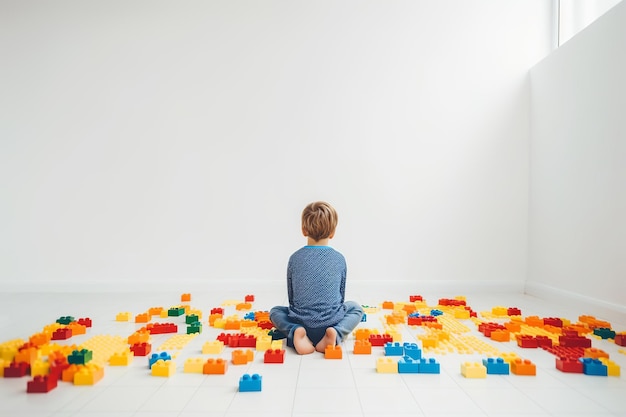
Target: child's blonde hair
column 319, row 220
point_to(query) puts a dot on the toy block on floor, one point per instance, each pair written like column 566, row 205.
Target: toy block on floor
column 185, row 298
column 394, row 349
column 620, row 339
column 195, row 327
column 429, row 366
column 387, row 305
column 212, row 347
column 42, row 384
column 362, row 347
column 193, row 366
column 250, row 383
column 161, row 328
column 143, row 318
column 513, row 311
column 68, row 373
column 164, row 356
column 63, row 333
column 333, row 352
column 16, row 370
column 80, row 357
column 274, row 356
column 88, row 374
column 77, row 329
column 65, row 320
column 595, row 353
column 604, row 333
column 141, row 349
column 191, row 318
column 163, row 368
column 569, row 365
column 523, row 367
column 176, row 311
column 572, row 339
column 380, row 340
column 215, row 366
column 408, row 365
column 594, row 367
column 496, row 366
column 473, row 370
column 124, row 358
column 385, row 365
column 28, row 355
column 612, row 368
column 243, row 306
column 241, row 357
column 140, row 336
column 500, row 335
column 123, row 316
column 249, row 298
column 39, row 367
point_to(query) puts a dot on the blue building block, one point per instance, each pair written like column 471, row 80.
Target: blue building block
column 436, row 313
column 158, row 356
column 594, row 367
column 412, row 350
column 414, row 314
column 249, row 316
column 393, row 349
column 429, row 366
column 248, row 383
column 364, row 318
column 496, row 366
column 408, row 365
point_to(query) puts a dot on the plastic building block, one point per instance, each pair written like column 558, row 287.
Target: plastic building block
column 496, row 366
column 161, row 328
column 362, row 334
column 142, row 318
column 186, row 297
column 387, row 305
column 414, row 320
column 243, row 306
column 63, row 333
column 385, row 365
column 543, row 341
column 500, row 335
column 394, row 349
column 436, row 312
column 414, row 298
column 513, row 311
column 68, row 373
column 604, row 333
column 513, row 326
column 16, row 370
column 141, row 336
column 380, row 340
column 121, row 358
column 215, row 366
column 176, row 311
column 569, row 365
column 124, row 316
column 499, row 311
column 249, row 298
column 65, row 320
column 241, row 357
column 526, row 341
column 42, row 384
column 88, row 375
column 263, row 342
column 412, row 350
column 523, row 367
column 28, row 355
column 612, row 368
column 620, row 339
column 213, row 347
column 333, row 352
column 594, row 367
column 163, row 368
column 429, row 366
column 77, row 328
column 461, row 313
column 595, row 353
column 194, row 328
column 552, row 321
column 250, row 383
column 193, row 366
column 141, row 349
column 274, row 356
column 39, row 367
column 191, row 318
column 362, row 347
column 80, row 357
column 408, row 365
column 473, row 370
column 572, row 339
column 164, row 356
column 217, row 310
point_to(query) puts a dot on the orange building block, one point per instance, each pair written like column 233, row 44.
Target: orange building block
column 143, row 318
column 513, row 326
column 387, row 305
column 333, row 352
column 232, row 324
column 243, row 306
column 362, row 334
column 215, row 366
column 185, row 297
column 140, row 336
column 241, row 357
column 68, row 373
column 362, row 347
column 500, row 335
column 534, row 321
column 595, row 353
column 27, row 355
column 523, row 367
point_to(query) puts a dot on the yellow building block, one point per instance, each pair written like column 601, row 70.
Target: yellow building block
column 613, row 368
column 219, row 323
column 212, row 347
column 499, row 311
column 123, row 316
column 276, row 344
column 39, row 367
column 194, row 365
column 263, row 343
column 386, row 365
column 461, row 313
column 509, row 357
column 163, row 368
column 123, row 358
column 88, row 374
column 473, row 370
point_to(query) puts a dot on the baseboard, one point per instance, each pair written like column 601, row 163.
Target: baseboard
column 601, row 308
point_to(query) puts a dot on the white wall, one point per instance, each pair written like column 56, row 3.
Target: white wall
column 578, row 167
column 143, row 142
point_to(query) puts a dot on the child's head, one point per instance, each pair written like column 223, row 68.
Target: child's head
column 319, row 220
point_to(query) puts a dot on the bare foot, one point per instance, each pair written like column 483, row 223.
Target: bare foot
column 301, row 342
column 329, row 339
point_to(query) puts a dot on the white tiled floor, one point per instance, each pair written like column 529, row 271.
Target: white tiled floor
column 304, row 386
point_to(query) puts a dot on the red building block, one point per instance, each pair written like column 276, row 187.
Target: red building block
column 63, row 333
column 569, row 365
column 543, row 341
column 571, row 340
column 380, row 340
column 86, row 321
column 42, row 384
column 217, row 310
column 266, row 325
column 17, row 370
column 553, row 321
column 141, row 349
column 513, row 311
column 249, row 298
column 414, row 298
column 274, row 356
column 526, row 341
column 414, row 321
column 620, row 339
column 161, row 328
